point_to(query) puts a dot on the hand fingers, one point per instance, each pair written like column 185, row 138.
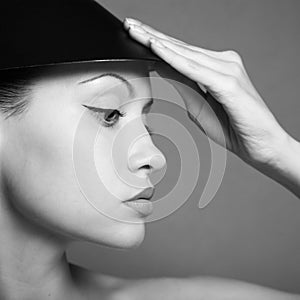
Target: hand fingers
column 140, row 35
column 192, row 69
column 135, row 24
column 128, row 23
column 218, row 76
column 181, row 49
column 232, row 67
column 216, row 64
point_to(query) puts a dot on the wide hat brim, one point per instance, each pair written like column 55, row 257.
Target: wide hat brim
column 49, row 32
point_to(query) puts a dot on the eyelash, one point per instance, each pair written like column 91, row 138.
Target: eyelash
column 109, row 111
column 119, row 113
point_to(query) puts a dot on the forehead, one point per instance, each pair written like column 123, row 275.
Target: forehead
column 80, row 72
column 129, row 81
column 126, row 69
column 132, row 79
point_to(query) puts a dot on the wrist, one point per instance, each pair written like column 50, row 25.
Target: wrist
column 284, row 167
column 288, row 156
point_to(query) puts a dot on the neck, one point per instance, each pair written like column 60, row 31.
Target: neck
column 33, row 263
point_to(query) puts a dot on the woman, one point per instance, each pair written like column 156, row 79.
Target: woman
column 45, row 93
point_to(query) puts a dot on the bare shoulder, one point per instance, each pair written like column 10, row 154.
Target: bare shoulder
column 215, row 288
column 200, row 288
column 102, row 286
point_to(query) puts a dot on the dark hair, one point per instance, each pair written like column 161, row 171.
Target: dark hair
column 16, row 84
column 15, row 88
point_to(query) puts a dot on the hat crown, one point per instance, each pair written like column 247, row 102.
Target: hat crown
column 43, row 32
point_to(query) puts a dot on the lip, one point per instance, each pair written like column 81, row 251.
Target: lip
column 144, row 194
column 141, row 202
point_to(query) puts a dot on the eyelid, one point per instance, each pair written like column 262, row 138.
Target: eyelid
column 147, row 107
column 94, row 108
column 104, row 119
column 105, row 99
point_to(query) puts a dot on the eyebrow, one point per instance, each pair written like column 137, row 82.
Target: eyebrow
column 114, row 75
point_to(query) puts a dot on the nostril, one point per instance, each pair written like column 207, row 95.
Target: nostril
column 155, row 163
column 158, row 161
column 147, row 167
column 149, row 159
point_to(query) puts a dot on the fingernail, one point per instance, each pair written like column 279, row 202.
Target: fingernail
column 136, row 28
column 132, row 21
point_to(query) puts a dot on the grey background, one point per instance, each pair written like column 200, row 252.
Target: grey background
column 250, row 231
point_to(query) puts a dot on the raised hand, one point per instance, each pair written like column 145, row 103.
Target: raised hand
column 250, row 129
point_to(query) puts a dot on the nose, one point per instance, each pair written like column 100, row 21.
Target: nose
column 145, row 157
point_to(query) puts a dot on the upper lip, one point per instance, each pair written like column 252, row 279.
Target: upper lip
column 144, row 194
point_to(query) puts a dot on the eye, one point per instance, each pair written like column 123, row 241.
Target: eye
column 108, row 117
column 111, row 117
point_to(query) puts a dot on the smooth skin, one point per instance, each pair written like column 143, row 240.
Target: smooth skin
column 43, row 210
column 251, row 132
column 43, row 207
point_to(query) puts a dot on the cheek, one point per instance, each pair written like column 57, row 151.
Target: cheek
column 110, row 185
column 110, row 153
column 41, row 184
column 37, row 169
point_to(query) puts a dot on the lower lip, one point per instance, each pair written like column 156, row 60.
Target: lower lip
column 142, row 206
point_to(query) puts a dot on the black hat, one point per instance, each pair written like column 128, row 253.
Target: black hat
column 47, row 32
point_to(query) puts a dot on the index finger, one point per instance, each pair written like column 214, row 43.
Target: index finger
column 158, row 34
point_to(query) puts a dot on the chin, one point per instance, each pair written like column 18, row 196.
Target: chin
column 122, row 236
column 133, row 236
column 130, row 236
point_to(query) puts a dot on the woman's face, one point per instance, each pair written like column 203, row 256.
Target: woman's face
column 47, row 154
